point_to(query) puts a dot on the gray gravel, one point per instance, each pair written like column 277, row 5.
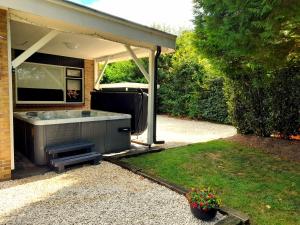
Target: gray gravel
column 102, row 194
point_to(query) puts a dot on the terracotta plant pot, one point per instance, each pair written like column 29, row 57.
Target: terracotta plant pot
column 204, row 215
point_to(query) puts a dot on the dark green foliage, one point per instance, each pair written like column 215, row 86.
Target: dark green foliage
column 125, row 71
column 285, row 102
column 189, row 88
column 249, row 104
column 243, row 34
column 264, row 104
column 212, row 103
column 256, row 45
column 180, row 87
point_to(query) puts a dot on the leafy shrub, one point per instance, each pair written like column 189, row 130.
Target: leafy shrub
column 189, row 87
column 249, row 104
column 187, row 92
column 256, row 46
column 285, row 102
column 264, row 104
column 125, row 71
column 178, row 89
column 212, row 104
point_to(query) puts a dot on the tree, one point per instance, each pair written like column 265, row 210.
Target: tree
column 254, row 43
column 248, row 34
column 190, row 86
column 125, row 71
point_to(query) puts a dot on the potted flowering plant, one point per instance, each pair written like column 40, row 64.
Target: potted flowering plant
column 204, row 203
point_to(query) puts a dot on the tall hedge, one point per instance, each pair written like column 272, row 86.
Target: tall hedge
column 249, row 103
column 264, row 104
column 190, row 87
column 256, row 46
column 212, row 104
column 125, row 71
column 285, row 101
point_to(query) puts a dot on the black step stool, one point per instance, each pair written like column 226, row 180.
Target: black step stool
column 77, row 156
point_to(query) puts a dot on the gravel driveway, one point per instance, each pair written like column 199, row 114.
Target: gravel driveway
column 178, row 132
column 102, row 194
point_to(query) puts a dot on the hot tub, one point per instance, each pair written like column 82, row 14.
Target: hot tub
column 33, row 131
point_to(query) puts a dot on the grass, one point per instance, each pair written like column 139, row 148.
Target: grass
column 263, row 186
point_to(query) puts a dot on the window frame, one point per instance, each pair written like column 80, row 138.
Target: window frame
column 64, row 84
column 73, row 77
column 66, row 89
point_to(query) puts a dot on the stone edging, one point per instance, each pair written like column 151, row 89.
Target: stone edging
column 234, row 217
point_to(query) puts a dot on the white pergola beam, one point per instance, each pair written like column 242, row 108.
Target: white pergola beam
column 151, row 97
column 137, row 62
column 121, row 56
column 99, row 77
column 34, row 48
column 66, row 16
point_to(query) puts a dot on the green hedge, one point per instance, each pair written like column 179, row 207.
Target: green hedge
column 188, row 88
column 212, row 104
column 189, row 85
column 125, row 71
column 263, row 104
column 255, row 100
column 189, row 93
column 285, row 101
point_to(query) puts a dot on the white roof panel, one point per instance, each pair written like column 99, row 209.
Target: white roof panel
column 97, row 34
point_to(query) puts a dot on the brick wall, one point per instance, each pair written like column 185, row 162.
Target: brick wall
column 5, row 157
column 88, row 87
column 5, row 152
column 89, row 81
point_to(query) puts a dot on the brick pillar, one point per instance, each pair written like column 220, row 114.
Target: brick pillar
column 88, row 82
column 5, row 153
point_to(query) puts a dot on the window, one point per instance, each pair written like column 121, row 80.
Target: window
column 48, row 84
column 73, row 85
column 74, row 90
column 77, row 73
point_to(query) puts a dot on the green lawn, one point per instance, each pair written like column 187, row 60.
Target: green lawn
column 263, row 186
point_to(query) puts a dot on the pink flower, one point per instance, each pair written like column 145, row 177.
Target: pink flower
column 194, row 205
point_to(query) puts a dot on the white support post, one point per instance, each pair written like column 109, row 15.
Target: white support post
column 137, row 62
column 34, row 48
column 99, row 77
column 10, row 89
column 151, row 97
